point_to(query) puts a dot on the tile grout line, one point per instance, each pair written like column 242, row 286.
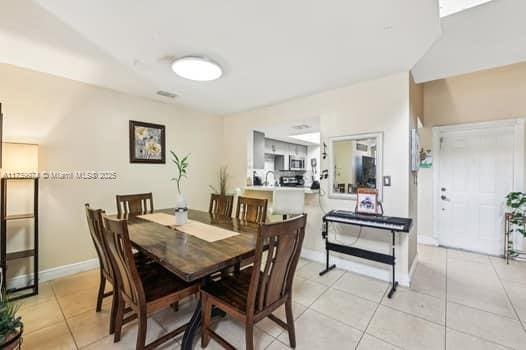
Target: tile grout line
column 412, row 315
column 321, row 313
column 383, row 341
column 307, row 307
column 508, row 296
column 64, row 316
column 517, row 319
column 371, row 319
column 358, row 296
column 485, row 311
column 379, row 303
column 483, row 339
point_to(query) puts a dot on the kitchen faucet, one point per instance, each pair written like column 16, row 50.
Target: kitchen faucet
column 266, row 177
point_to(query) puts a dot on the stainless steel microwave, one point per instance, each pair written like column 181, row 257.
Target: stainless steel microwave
column 296, row 163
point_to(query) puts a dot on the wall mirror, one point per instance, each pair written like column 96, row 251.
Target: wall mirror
column 355, row 161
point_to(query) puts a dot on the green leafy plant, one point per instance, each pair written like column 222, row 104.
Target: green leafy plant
column 516, row 201
column 182, row 168
column 9, row 322
column 223, row 181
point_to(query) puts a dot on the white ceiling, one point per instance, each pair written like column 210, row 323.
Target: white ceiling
column 271, row 50
column 286, row 129
column 32, row 38
column 483, row 37
column 449, row 7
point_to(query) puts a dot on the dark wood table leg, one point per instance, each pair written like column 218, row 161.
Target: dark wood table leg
column 191, row 329
column 194, row 325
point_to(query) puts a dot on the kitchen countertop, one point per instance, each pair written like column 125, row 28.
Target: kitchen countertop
column 307, row 190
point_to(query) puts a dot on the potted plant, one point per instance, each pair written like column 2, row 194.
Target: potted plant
column 223, row 181
column 181, row 208
column 11, row 327
column 516, row 202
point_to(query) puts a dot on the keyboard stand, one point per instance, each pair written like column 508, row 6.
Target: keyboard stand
column 361, row 253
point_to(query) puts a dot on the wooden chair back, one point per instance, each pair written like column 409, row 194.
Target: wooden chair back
column 221, row 205
column 252, row 209
column 134, row 204
column 273, row 283
column 117, row 241
column 96, row 229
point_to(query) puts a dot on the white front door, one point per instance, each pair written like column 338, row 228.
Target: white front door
column 476, row 172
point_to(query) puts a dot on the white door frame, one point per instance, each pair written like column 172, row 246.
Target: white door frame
column 518, row 157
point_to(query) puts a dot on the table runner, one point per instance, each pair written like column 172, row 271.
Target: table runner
column 197, row 229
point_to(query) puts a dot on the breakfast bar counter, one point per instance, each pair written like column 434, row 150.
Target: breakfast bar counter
column 307, row 190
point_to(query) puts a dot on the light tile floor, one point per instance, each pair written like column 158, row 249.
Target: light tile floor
column 457, row 300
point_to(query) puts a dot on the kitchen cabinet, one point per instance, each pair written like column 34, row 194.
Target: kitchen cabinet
column 259, row 150
column 275, row 147
column 299, row 151
column 281, row 150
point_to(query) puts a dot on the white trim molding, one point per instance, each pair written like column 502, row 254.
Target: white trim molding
column 379, row 136
column 427, row 240
column 404, row 279
column 362, row 269
column 53, row 273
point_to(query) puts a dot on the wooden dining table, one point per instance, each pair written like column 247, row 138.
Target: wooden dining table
column 190, row 258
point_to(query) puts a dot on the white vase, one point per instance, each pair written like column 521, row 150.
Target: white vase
column 181, row 210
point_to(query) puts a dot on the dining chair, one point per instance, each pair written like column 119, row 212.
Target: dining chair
column 144, row 291
column 96, row 228
column 252, row 209
column 221, row 205
column 257, row 291
column 94, row 217
column 134, row 204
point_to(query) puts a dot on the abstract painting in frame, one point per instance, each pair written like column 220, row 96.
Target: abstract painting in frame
column 147, row 143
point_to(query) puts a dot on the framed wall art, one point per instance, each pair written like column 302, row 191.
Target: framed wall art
column 147, row 143
column 367, row 201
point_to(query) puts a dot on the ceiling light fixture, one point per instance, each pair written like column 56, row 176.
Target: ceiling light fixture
column 197, row 68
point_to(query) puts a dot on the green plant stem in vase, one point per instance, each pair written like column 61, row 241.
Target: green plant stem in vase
column 181, row 207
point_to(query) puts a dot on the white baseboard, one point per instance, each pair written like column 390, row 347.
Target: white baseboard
column 427, row 240
column 413, row 268
column 359, row 268
column 53, row 273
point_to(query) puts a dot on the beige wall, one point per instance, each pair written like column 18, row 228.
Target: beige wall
column 380, row 105
column 481, row 96
column 82, row 127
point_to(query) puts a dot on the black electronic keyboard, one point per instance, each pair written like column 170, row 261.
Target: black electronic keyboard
column 390, row 223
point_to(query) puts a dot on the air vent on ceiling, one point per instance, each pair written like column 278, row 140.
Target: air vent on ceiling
column 166, row 94
column 301, row 127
